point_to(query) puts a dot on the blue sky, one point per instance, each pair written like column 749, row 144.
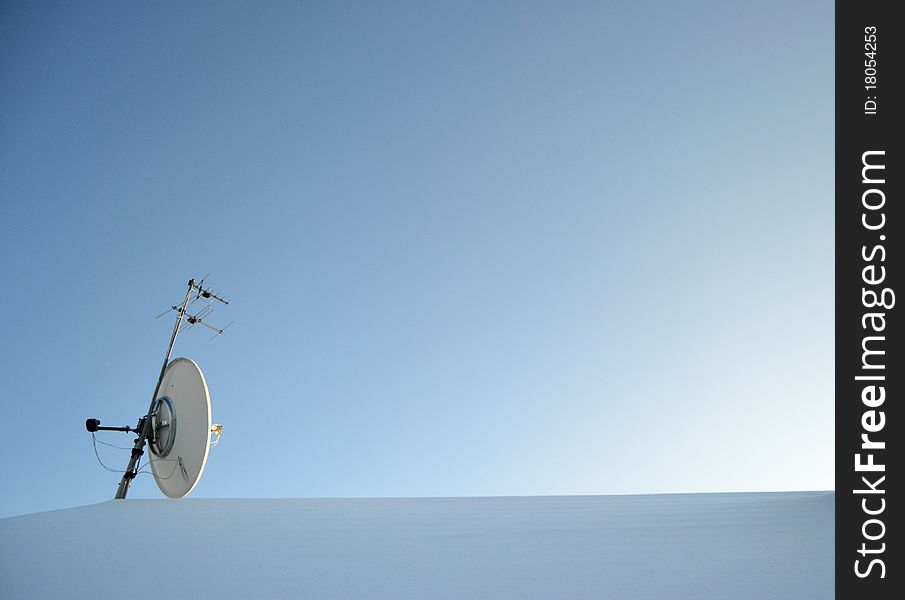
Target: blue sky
column 473, row 248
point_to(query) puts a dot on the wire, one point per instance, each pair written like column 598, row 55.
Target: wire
column 138, row 471
column 113, row 445
column 94, row 443
column 144, row 466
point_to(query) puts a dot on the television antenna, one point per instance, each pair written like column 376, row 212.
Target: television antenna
column 177, row 426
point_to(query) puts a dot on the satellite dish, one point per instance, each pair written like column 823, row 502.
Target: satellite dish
column 180, row 428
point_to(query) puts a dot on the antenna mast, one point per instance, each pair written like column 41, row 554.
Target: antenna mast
column 144, row 426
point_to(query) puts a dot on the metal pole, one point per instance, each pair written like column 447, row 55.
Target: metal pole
column 138, row 449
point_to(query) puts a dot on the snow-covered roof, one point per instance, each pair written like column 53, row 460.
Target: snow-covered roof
column 675, row 546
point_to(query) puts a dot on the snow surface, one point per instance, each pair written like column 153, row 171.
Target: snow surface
column 676, row 547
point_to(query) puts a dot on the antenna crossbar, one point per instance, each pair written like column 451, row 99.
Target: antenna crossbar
column 206, row 292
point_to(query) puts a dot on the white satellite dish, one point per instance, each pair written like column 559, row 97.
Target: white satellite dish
column 180, row 428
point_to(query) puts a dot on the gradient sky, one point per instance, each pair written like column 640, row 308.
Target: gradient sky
column 472, row 248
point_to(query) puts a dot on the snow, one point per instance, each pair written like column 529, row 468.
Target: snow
column 673, row 546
